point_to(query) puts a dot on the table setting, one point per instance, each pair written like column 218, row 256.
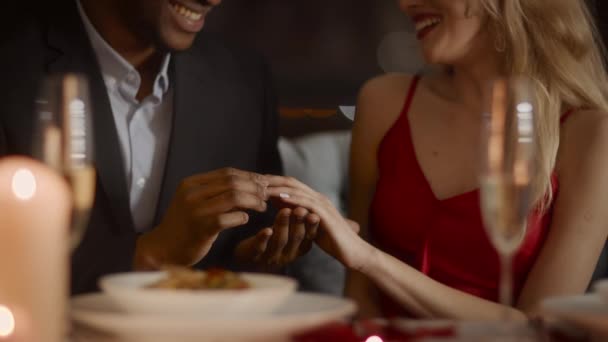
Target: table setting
column 267, row 309
column 304, row 317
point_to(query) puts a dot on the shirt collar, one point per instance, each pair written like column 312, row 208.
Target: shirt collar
column 118, row 72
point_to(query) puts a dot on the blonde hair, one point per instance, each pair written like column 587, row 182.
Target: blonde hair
column 557, row 45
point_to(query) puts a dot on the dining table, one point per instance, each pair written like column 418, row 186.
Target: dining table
column 272, row 310
column 401, row 330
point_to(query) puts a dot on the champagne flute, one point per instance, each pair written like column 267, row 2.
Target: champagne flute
column 508, row 166
column 64, row 141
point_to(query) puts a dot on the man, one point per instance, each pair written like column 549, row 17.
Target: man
column 178, row 116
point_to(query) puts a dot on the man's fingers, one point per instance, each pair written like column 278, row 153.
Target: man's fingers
column 251, row 249
column 312, row 229
column 223, row 173
column 262, row 239
column 216, row 223
column 297, row 234
column 146, row 262
column 231, row 200
column 200, row 193
column 280, row 237
column 312, row 226
column 300, row 213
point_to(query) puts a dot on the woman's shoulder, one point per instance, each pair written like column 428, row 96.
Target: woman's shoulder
column 584, row 135
column 379, row 105
column 385, row 86
column 381, row 98
column 585, row 126
column 393, row 88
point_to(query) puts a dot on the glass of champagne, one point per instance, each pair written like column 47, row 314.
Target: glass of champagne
column 508, row 166
column 64, row 141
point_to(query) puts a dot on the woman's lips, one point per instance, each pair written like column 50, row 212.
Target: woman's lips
column 425, row 23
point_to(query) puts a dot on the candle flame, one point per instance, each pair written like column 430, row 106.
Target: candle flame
column 374, row 339
column 7, row 322
column 24, row 184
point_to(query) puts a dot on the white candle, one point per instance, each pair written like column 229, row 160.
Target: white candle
column 34, row 221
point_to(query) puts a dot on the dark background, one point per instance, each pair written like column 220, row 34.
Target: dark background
column 321, row 51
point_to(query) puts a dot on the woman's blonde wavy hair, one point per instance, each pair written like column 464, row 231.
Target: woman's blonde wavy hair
column 557, row 44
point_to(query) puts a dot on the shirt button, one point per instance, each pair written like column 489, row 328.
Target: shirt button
column 141, row 182
column 131, row 78
column 110, row 82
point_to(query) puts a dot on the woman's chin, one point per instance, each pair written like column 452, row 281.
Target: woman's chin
column 433, row 58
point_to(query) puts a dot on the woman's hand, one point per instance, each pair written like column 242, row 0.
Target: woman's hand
column 339, row 236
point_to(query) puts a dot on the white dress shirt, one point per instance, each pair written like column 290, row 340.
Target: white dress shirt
column 143, row 127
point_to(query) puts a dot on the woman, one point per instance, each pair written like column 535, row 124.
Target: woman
column 414, row 167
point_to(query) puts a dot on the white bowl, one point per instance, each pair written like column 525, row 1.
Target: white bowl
column 97, row 316
column 266, row 294
column 601, row 287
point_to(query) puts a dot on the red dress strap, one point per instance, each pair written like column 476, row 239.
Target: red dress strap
column 410, row 93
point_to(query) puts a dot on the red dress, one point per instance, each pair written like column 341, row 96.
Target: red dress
column 444, row 239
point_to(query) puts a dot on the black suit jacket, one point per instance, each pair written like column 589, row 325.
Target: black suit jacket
column 224, row 115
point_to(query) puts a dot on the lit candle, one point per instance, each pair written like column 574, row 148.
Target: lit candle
column 7, row 322
column 34, row 221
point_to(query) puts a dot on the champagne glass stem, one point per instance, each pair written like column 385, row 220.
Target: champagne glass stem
column 506, row 283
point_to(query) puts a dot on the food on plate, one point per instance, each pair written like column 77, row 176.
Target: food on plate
column 180, row 278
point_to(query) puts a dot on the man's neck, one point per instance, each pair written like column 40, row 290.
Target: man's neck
column 142, row 55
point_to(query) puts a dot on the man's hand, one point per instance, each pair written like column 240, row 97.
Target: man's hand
column 203, row 206
column 273, row 248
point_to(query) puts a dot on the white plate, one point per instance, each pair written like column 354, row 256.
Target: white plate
column 587, row 311
column 266, row 294
column 301, row 312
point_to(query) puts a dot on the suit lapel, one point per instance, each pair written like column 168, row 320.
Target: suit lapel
column 189, row 124
column 66, row 39
column 201, row 121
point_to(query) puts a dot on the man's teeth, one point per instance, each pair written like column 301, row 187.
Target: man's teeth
column 421, row 25
column 186, row 12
